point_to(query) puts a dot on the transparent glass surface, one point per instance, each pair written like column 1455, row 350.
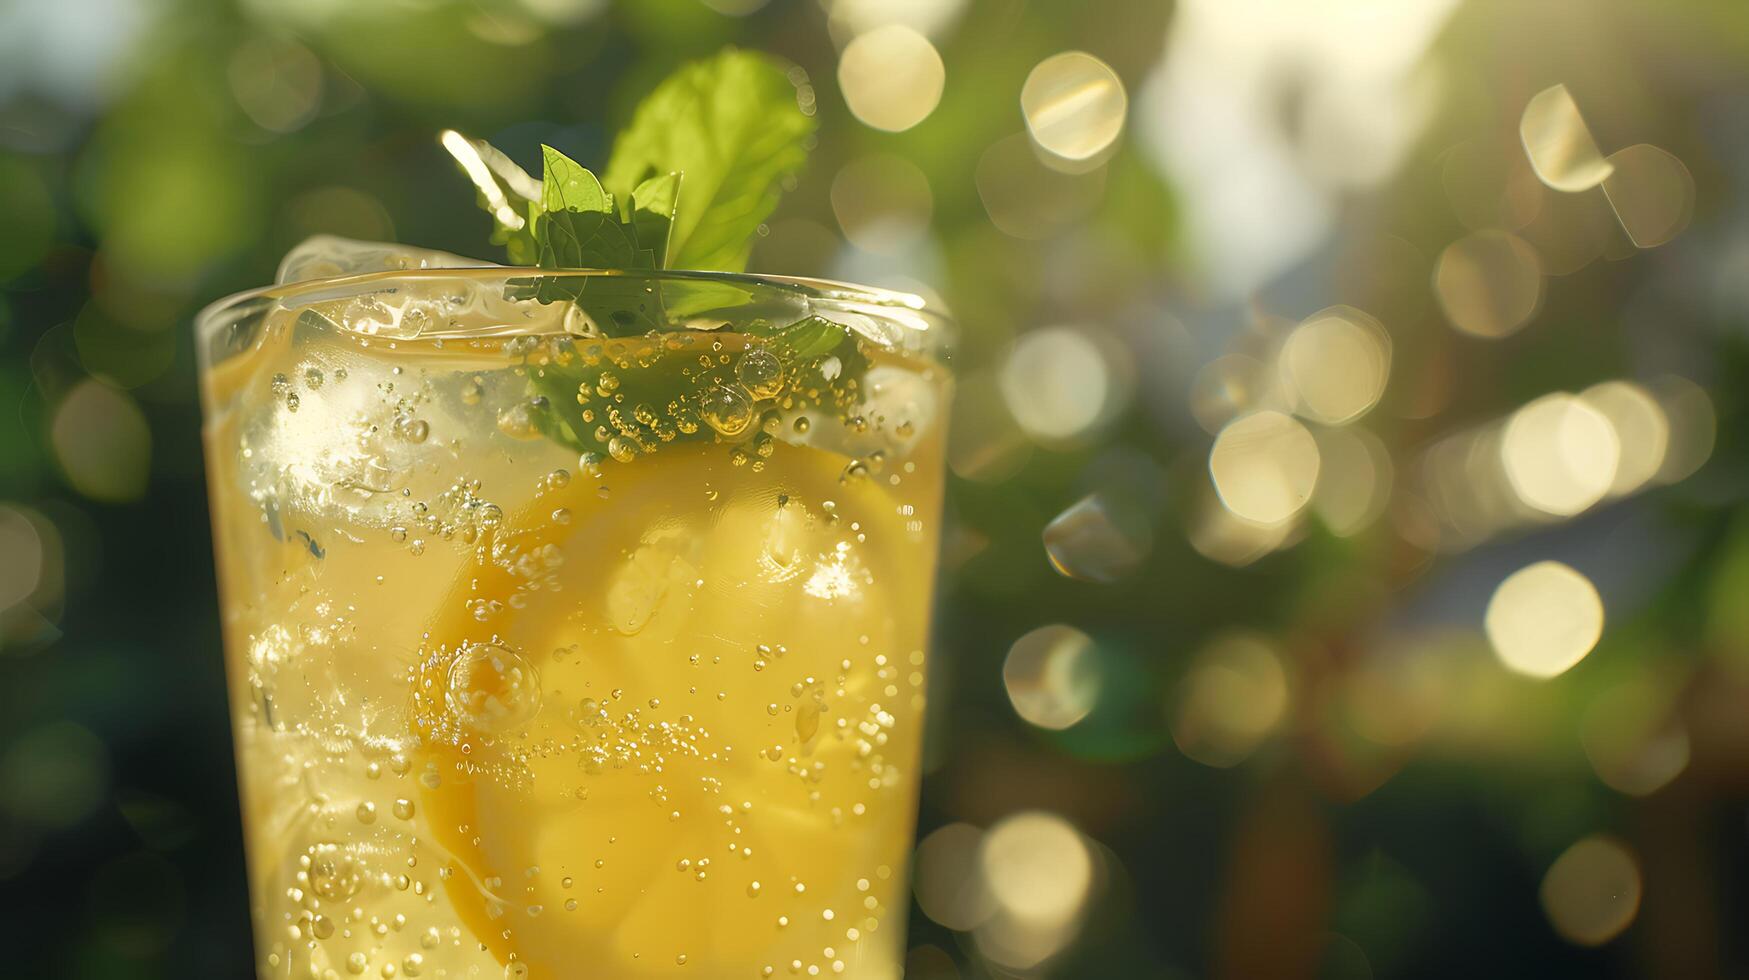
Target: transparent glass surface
column 575, row 623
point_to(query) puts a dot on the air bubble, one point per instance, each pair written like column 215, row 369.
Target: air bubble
column 493, row 689
column 727, row 410
column 334, row 874
column 413, row 430
column 761, row 372
column 520, row 420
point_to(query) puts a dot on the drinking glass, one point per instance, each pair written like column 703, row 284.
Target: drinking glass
column 575, row 622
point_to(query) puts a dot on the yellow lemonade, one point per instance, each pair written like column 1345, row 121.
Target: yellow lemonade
column 509, row 707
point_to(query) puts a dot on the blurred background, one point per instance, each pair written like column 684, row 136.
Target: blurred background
column 1349, row 574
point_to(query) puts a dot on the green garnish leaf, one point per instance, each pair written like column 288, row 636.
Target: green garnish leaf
column 568, row 186
column 730, row 131
column 812, row 337
column 593, row 402
column 735, row 125
column 652, row 216
column 575, row 224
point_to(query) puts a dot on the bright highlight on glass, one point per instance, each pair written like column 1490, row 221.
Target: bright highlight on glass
column 1052, row 676
column 1074, row 105
column 891, row 77
column 1543, row 619
column 1559, row 143
column 1592, row 891
column 1264, row 466
column 1334, row 365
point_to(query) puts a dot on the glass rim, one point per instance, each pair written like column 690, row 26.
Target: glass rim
column 926, row 326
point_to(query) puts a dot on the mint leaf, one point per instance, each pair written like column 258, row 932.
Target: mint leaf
column 815, row 336
column 591, row 399
column 652, row 216
column 575, row 225
column 568, row 186
column 735, row 127
column 581, row 240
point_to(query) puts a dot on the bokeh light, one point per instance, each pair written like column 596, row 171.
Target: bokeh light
column 1232, row 697
column 1099, row 538
column 54, row 775
column 1543, row 619
column 1059, row 384
column 1027, row 199
column 1641, row 429
column 1220, row 536
column 1355, row 476
column 1560, row 454
column 1052, row 676
column 882, row 203
column 1652, row 193
column 102, row 442
column 891, row 77
column 1489, row 283
column 1264, row 466
column 1592, row 891
column 1037, row 866
column 277, row 82
column 1693, row 427
column 1074, row 106
column 849, row 18
column 948, row 878
column 1559, row 143
column 985, row 444
column 1334, row 365
column 1041, row 873
column 1633, row 739
column 1227, row 386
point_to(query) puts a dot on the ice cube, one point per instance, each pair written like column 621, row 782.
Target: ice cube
column 324, row 256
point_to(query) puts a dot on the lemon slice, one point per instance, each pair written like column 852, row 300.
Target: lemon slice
column 665, row 732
